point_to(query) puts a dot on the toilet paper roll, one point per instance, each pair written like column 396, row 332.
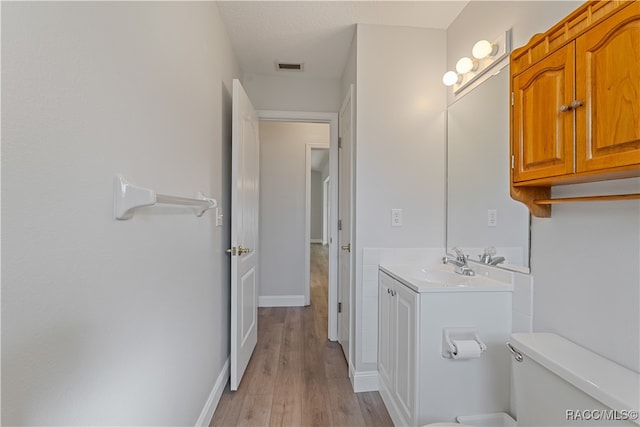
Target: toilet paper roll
column 466, row 349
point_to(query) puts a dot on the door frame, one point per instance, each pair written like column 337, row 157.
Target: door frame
column 325, row 210
column 307, row 216
column 332, row 120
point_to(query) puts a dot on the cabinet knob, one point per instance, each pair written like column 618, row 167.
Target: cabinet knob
column 576, row 104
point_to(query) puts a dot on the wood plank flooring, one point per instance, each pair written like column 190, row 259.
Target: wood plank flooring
column 296, row 376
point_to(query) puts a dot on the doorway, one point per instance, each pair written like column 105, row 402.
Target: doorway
column 285, row 251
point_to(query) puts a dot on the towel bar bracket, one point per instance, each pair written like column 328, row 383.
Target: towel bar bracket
column 127, row 198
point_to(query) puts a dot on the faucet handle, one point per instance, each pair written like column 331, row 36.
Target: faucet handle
column 459, row 254
column 490, row 250
column 488, row 254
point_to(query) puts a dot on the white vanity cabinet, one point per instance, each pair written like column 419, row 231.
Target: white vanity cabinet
column 417, row 384
column 396, row 353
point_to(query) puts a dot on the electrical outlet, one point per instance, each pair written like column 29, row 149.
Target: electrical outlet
column 396, row 217
column 492, row 218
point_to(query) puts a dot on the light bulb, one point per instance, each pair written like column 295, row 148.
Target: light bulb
column 464, row 65
column 483, row 48
column 450, row 78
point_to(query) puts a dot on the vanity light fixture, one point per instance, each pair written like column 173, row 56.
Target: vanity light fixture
column 451, row 78
column 484, row 49
column 465, row 65
column 486, row 55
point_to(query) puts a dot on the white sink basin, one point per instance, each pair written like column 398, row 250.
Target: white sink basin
column 445, row 278
column 442, row 278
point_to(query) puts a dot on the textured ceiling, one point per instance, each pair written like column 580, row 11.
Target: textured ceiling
column 318, row 33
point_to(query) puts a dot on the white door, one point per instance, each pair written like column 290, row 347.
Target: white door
column 344, row 231
column 245, row 153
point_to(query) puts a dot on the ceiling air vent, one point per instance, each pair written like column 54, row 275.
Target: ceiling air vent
column 289, row 66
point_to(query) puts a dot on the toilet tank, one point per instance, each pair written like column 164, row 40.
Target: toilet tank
column 559, row 383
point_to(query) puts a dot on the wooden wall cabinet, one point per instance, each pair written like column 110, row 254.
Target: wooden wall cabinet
column 575, row 113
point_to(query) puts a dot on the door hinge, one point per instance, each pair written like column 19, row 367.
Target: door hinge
column 339, row 307
column 340, row 142
column 512, row 99
column 513, row 161
column 339, row 225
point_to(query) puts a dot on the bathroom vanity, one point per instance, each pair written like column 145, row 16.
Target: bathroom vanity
column 418, row 384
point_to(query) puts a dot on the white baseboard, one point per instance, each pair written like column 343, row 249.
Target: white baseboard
column 281, row 301
column 316, row 241
column 212, row 402
column 364, row 380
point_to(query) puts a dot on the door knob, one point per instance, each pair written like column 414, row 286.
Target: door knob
column 238, row 251
column 346, row 247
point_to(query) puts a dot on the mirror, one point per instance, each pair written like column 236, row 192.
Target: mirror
column 480, row 212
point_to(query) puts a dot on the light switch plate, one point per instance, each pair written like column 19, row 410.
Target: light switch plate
column 219, row 216
column 492, row 218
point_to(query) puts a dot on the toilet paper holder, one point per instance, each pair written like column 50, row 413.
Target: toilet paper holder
column 459, row 333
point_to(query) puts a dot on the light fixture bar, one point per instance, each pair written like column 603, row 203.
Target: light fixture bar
column 502, row 48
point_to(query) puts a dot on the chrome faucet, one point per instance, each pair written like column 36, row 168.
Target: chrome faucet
column 488, row 256
column 460, row 263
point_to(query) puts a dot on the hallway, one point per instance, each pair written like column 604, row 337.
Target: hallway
column 296, row 377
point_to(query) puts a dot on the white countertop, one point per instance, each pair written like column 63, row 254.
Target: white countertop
column 442, row 278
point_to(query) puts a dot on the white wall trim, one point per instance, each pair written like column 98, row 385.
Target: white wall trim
column 363, row 380
column 214, row 397
column 332, row 119
column 307, row 219
column 316, row 241
column 281, row 301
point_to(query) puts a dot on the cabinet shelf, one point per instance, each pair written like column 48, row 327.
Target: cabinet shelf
column 611, row 197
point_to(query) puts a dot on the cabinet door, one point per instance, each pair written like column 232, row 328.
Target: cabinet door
column 608, row 82
column 405, row 302
column 385, row 337
column 542, row 133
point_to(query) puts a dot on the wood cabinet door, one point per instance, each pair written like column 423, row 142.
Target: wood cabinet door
column 608, row 83
column 542, row 133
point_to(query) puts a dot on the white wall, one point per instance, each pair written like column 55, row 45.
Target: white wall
column 282, row 204
column 292, row 92
column 400, row 153
column 584, row 259
column 586, row 272
column 349, row 73
column 103, row 321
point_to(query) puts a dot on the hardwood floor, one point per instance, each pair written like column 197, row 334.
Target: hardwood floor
column 296, row 377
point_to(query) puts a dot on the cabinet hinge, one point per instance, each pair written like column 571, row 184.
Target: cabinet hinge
column 513, row 161
column 339, row 225
column 512, row 99
column 339, row 307
column 340, row 142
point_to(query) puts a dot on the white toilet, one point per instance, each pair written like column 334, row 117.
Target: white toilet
column 558, row 383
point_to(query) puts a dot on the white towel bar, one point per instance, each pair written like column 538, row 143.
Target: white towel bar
column 128, row 197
